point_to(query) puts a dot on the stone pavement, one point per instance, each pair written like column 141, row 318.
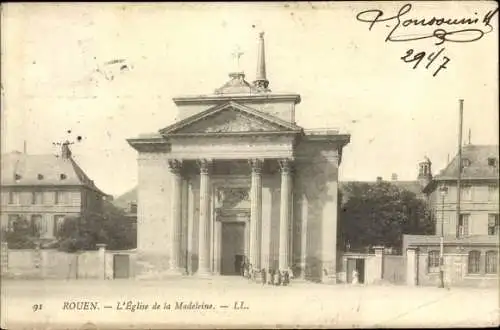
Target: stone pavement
column 234, row 302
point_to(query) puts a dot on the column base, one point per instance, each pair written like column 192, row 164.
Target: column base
column 203, row 273
column 176, row 272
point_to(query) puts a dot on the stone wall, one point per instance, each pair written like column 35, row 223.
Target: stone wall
column 53, row 264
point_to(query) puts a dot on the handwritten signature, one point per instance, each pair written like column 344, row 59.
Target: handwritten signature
column 474, row 33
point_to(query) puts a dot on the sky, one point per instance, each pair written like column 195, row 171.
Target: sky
column 56, row 78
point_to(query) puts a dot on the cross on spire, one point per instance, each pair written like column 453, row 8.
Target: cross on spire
column 237, row 53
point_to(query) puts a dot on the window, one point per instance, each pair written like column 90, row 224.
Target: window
column 11, row 197
column 492, row 162
column 491, row 262
column 463, row 225
column 62, row 176
column 36, row 225
column 473, row 267
column 433, row 266
column 466, row 162
column 493, row 193
column 37, row 197
column 59, row 198
column 466, row 192
column 12, row 221
column 493, row 224
column 133, row 207
column 40, row 177
column 58, row 223
column 17, row 177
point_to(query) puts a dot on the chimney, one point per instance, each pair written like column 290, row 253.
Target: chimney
column 394, row 177
column 65, row 151
column 261, row 79
column 25, row 147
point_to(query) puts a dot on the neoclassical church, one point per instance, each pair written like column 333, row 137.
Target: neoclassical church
column 236, row 178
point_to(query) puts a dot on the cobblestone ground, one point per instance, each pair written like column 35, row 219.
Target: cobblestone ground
column 233, row 302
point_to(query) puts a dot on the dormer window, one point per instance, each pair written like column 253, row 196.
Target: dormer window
column 62, row 176
column 17, row 177
column 465, row 162
column 492, row 162
column 40, row 176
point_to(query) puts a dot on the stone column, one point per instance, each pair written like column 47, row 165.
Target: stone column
column 285, row 165
column 303, row 236
column 184, row 226
column 190, row 231
column 204, row 226
column 411, row 266
column 255, row 213
column 175, row 216
column 101, row 255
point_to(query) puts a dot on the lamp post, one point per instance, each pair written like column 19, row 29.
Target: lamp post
column 443, row 190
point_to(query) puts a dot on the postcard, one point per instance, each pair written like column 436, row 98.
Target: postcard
column 249, row 165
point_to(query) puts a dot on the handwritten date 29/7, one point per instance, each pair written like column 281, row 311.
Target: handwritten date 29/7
column 411, row 56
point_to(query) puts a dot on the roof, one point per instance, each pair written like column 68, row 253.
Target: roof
column 123, row 201
column 19, row 169
column 478, row 168
column 420, row 240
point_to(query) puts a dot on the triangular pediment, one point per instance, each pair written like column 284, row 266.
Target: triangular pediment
column 231, row 117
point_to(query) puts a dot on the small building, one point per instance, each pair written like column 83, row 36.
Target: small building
column 470, row 228
column 46, row 189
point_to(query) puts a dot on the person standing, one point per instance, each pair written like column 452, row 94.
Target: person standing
column 355, row 275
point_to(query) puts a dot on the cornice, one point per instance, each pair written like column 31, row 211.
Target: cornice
column 227, row 134
column 150, row 144
column 200, row 99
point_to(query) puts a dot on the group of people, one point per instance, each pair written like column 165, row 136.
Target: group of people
column 269, row 276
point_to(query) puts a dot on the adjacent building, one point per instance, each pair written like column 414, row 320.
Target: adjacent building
column 236, row 178
column 470, row 228
column 45, row 189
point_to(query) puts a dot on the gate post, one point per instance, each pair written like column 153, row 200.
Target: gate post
column 102, row 261
column 411, row 266
column 5, row 257
column 379, row 267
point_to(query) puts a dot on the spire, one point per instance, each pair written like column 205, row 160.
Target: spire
column 261, row 80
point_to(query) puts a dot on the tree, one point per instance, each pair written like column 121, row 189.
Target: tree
column 21, row 234
column 379, row 214
column 85, row 232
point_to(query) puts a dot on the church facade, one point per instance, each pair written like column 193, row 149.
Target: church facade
column 235, row 178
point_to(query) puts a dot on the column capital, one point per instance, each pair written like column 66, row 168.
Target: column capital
column 205, row 165
column 285, row 165
column 175, row 165
column 256, row 164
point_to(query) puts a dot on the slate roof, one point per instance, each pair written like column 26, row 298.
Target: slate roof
column 19, row 169
column 478, row 167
